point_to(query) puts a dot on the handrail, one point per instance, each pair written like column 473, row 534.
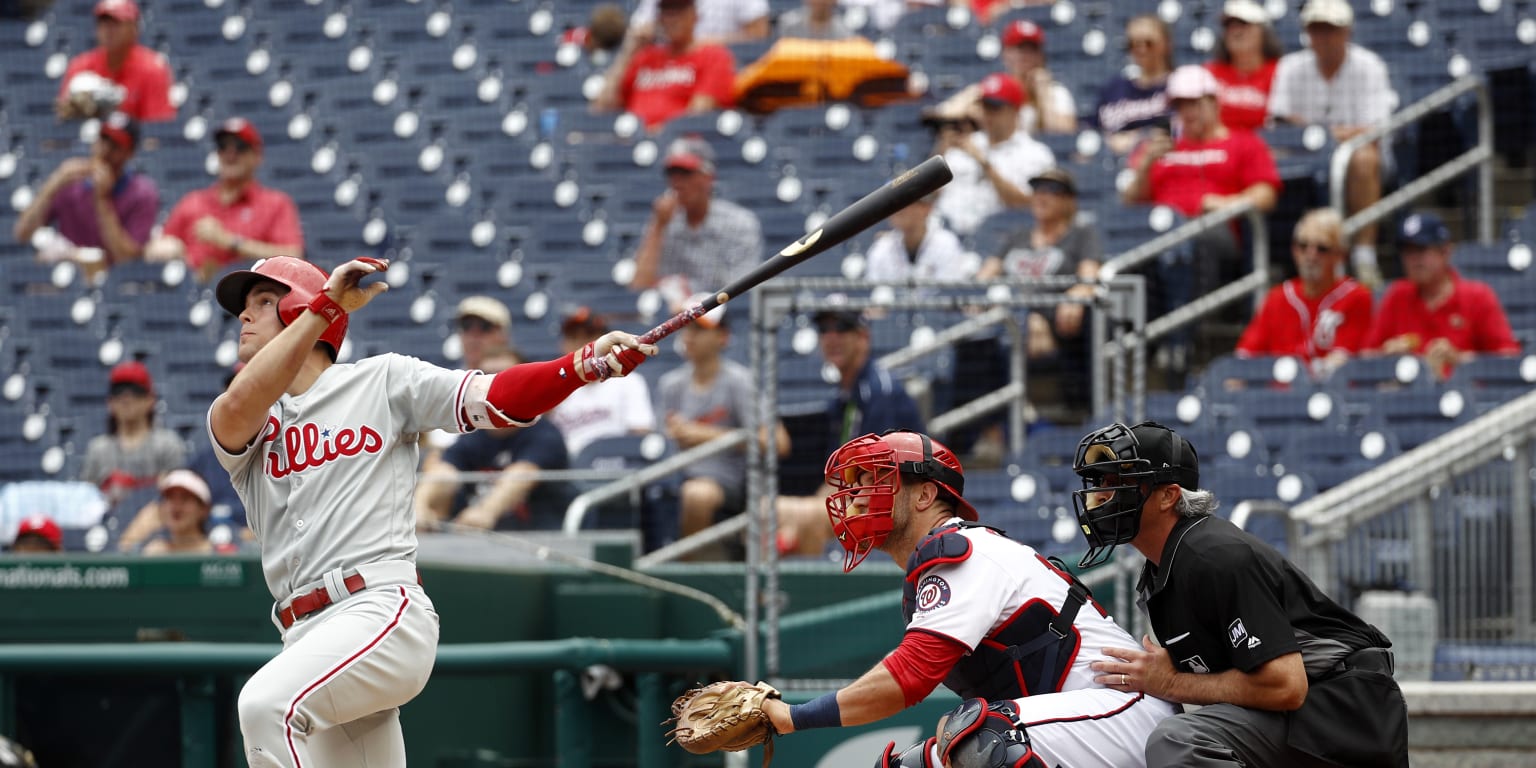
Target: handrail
column 577, row 511
column 1153, row 248
column 197, row 657
column 943, row 339
column 1405, row 476
column 1480, row 154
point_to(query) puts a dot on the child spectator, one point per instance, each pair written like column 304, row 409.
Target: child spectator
column 37, row 534
column 917, row 248
column 182, row 509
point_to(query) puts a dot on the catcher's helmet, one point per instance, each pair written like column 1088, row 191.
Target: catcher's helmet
column 888, row 458
column 303, row 279
column 1120, row 465
column 13, row 755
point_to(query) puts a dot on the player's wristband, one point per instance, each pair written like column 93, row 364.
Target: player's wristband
column 325, row 306
column 820, row 712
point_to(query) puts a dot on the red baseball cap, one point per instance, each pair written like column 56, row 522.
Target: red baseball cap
column 1003, row 89
column 122, row 10
column 1023, row 31
column 44, row 526
column 121, row 130
column 241, row 129
column 132, row 373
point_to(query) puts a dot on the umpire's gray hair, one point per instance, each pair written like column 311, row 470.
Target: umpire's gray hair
column 1195, row 503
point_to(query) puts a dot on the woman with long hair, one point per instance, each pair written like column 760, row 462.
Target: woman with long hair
column 1246, row 54
column 1134, row 100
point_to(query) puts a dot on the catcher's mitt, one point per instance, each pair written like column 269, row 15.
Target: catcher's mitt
column 723, row 716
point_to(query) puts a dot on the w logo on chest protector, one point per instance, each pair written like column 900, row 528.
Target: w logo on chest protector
column 308, row 445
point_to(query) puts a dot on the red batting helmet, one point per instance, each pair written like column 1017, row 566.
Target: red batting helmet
column 304, row 281
column 860, row 509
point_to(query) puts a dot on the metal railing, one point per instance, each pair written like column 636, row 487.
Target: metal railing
column 1447, row 524
column 1479, row 156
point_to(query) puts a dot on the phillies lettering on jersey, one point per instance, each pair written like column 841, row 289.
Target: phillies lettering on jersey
column 666, row 77
column 305, row 446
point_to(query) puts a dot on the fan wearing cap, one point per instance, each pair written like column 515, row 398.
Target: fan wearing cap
column 1055, row 244
column 1339, row 84
column 484, row 325
column 235, row 219
column 707, row 397
column 134, row 453
column 183, row 509
column 1283, row 674
column 37, row 534
column 678, row 75
column 917, row 249
column 611, row 409
column 1132, row 102
column 987, row 617
column 141, row 71
column 694, row 241
column 1432, row 310
column 1247, row 52
column 1207, row 167
column 992, row 166
column 96, row 201
column 1048, row 105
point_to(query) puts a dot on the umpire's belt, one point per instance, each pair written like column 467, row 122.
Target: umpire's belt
column 337, row 584
column 1368, row 659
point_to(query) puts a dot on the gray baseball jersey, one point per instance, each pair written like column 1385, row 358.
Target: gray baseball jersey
column 328, row 481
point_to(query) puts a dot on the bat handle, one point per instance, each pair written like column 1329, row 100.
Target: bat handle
column 673, row 323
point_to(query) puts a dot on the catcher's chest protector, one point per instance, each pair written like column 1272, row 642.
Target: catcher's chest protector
column 1030, row 652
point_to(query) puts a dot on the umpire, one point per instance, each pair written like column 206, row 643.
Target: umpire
column 1288, row 677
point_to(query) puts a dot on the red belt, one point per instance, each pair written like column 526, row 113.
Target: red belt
column 304, row 605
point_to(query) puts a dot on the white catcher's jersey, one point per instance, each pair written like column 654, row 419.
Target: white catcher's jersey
column 328, row 482
column 966, row 601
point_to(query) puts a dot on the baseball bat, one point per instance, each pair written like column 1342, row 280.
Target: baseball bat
column 893, row 196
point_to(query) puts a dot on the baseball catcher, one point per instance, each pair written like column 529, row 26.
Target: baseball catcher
column 987, row 617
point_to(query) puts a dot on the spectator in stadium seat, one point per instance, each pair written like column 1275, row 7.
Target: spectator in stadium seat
column 1321, row 315
column 705, row 398
column 1206, row 168
column 694, row 241
column 992, row 166
column 142, row 73
column 510, row 499
column 719, row 21
column 1048, row 104
column 612, row 408
column 1057, row 244
column 1336, row 83
column 182, row 512
column 134, row 453
column 868, row 399
column 1433, row 311
column 484, row 325
column 96, row 202
column 917, row 248
column 1134, row 100
column 813, row 20
column 1247, row 53
column 236, row 218
column 679, row 75
column 37, row 534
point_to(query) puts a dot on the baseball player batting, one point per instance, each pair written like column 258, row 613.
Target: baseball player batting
column 324, row 457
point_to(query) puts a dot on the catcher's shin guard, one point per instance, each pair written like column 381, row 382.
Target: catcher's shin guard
column 915, row 756
column 981, row 735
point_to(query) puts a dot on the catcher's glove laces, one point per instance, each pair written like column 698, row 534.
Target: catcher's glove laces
column 725, row 716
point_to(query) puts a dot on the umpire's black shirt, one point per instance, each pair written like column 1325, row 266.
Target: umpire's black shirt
column 1220, row 598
